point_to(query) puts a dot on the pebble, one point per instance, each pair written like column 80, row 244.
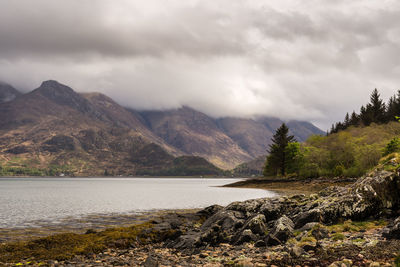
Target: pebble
column 375, row 264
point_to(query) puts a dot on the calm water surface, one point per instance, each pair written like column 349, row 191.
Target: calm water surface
column 26, row 200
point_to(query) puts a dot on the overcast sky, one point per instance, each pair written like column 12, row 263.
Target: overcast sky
column 310, row 59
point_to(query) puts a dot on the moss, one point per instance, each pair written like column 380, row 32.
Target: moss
column 397, row 261
column 358, row 241
column 308, row 239
column 65, row 246
column 350, row 226
column 214, row 259
column 297, row 232
column 337, row 236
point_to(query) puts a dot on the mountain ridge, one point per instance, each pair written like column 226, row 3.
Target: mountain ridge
column 53, row 118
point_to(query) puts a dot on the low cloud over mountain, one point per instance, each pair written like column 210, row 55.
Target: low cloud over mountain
column 299, row 60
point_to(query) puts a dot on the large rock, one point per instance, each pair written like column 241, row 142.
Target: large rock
column 393, row 230
column 227, row 219
column 209, row 211
column 271, row 209
column 368, row 197
column 309, row 216
column 371, row 196
column 256, row 224
column 281, row 232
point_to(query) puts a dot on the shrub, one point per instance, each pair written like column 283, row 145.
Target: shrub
column 392, row 146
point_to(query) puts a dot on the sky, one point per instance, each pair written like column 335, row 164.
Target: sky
column 310, row 60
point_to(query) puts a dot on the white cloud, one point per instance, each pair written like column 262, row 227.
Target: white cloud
column 311, row 60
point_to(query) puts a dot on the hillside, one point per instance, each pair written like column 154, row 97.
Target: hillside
column 226, row 142
column 254, row 135
column 197, row 134
column 351, row 152
column 90, row 134
column 54, row 130
column 251, row 168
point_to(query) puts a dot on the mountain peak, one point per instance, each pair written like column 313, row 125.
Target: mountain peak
column 63, row 95
column 7, row 92
column 52, row 86
column 51, row 83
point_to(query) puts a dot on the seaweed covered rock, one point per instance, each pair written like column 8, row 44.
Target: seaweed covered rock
column 274, row 220
column 281, row 232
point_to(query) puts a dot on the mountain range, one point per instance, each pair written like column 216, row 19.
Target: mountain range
column 90, row 134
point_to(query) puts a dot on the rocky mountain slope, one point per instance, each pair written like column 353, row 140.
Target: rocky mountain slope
column 7, row 92
column 54, row 130
column 226, row 142
column 197, row 134
column 90, row 134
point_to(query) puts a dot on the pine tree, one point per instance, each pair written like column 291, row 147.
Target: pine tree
column 392, row 110
column 354, row 119
column 366, row 115
column 346, row 122
column 377, row 107
column 333, row 130
column 276, row 160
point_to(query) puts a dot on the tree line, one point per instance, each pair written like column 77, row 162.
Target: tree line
column 376, row 111
column 341, row 153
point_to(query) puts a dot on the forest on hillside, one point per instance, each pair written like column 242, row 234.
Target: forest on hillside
column 351, row 148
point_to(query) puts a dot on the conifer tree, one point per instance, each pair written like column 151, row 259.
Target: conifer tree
column 346, row 120
column 365, row 115
column 354, row 119
column 276, row 160
column 392, row 109
column 332, row 129
column 377, row 107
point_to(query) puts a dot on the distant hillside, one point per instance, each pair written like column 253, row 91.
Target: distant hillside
column 254, row 135
column 90, row 134
column 195, row 133
column 54, row 130
column 226, row 142
column 252, row 168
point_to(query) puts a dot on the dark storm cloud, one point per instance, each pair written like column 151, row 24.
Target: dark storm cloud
column 310, row 60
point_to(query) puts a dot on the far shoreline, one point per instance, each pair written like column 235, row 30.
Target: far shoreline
column 290, row 186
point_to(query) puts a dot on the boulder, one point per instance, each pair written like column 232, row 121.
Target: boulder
column 271, row 209
column 281, row 232
column 320, row 233
column 393, row 230
column 260, row 243
column 303, row 218
column 227, row 219
column 151, row 261
column 296, row 251
column 256, row 224
column 246, row 236
column 209, row 211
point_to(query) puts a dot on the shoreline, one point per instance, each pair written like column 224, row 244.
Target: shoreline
column 151, row 243
column 292, row 186
column 313, row 230
column 82, row 224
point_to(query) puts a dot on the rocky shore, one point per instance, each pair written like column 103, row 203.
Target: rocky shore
column 355, row 225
